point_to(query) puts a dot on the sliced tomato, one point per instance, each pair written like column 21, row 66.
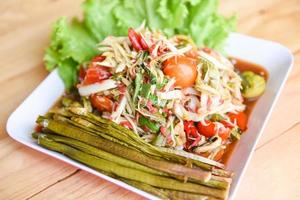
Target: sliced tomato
column 241, row 119
column 96, row 74
column 183, row 69
column 190, row 129
column 208, row 129
column 102, row 103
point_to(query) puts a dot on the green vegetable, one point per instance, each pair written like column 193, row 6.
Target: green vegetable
column 177, row 156
column 236, row 133
column 161, row 85
column 100, row 153
column 153, row 99
column 152, row 77
column 154, row 127
column 137, row 85
column 253, row 84
column 68, row 130
column 129, row 173
column 118, row 134
column 167, row 193
column 216, row 117
column 76, row 41
column 71, row 44
column 145, row 90
column 160, row 140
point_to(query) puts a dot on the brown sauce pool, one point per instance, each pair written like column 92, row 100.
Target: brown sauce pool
column 242, row 65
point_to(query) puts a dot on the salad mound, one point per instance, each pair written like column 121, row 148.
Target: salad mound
column 166, row 90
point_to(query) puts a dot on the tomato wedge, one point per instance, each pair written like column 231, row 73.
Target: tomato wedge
column 241, row 119
column 208, row 129
column 183, row 69
column 96, row 74
column 102, row 103
column 190, row 129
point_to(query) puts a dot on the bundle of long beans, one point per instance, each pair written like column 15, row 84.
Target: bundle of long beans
column 73, row 130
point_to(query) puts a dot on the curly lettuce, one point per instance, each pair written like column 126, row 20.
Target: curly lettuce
column 75, row 42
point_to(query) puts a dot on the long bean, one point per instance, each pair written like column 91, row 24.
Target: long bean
column 128, row 173
column 119, row 130
column 103, row 154
column 117, row 149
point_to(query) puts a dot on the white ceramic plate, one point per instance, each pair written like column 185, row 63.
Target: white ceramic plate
column 277, row 59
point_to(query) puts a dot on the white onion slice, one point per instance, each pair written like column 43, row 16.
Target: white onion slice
column 87, row 90
column 115, row 116
column 174, row 94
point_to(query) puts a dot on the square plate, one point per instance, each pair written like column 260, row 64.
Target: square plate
column 275, row 58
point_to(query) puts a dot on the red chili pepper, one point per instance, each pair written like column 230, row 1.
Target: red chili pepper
column 98, row 58
column 138, row 43
column 82, row 73
column 143, row 44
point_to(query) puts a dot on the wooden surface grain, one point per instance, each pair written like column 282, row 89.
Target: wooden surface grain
column 274, row 171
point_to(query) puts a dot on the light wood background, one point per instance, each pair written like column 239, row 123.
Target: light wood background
column 274, row 171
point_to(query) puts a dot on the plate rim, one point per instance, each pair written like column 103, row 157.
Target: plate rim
column 65, row 159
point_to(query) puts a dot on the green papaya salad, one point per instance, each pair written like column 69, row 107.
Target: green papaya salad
column 169, row 92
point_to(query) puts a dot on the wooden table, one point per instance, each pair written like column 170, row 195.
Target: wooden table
column 274, row 172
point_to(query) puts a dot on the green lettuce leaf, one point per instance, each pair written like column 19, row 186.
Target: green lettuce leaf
column 74, row 43
column 73, row 40
column 99, row 18
column 71, row 44
column 67, row 70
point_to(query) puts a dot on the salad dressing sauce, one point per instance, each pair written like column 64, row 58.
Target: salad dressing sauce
column 242, row 65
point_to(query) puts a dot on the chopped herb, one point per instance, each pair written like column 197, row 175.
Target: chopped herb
column 154, row 127
column 145, row 90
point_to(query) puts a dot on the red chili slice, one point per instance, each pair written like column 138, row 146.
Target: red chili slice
column 137, row 41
